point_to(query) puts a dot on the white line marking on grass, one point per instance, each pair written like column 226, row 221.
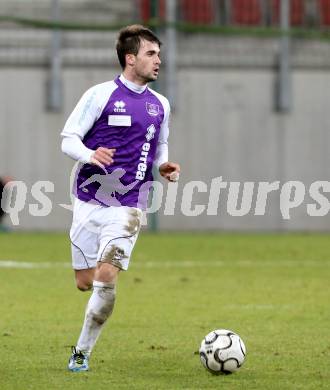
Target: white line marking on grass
column 261, row 306
column 231, row 263
column 178, row 264
column 30, row 265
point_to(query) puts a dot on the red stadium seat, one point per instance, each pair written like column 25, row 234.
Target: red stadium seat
column 197, row 11
column 246, row 12
column 193, row 11
column 145, row 9
column 243, row 12
column 296, row 12
column 325, row 12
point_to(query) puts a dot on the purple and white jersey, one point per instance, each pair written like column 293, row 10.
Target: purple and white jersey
column 131, row 119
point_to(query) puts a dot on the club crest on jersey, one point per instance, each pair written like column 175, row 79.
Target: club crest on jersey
column 152, row 109
column 119, row 106
column 150, row 132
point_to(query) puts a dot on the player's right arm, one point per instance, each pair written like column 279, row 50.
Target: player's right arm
column 81, row 120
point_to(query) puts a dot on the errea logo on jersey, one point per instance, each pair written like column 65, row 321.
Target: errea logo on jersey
column 151, row 130
column 119, row 106
column 143, row 160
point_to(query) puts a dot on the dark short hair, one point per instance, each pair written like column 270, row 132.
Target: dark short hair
column 129, row 40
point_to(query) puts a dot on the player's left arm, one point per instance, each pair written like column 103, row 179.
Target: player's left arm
column 168, row 170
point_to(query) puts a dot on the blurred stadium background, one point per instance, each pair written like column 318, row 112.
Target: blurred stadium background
column 248, row 81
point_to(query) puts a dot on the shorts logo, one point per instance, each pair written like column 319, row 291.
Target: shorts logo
column 119, row 106
column 119, row 254
column 152, row 109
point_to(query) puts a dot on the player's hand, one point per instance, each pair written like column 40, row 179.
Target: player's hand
column 6, row 179
column 102, row 157
column 170, row 171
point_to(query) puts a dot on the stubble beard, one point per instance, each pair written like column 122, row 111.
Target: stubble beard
column 149, row 77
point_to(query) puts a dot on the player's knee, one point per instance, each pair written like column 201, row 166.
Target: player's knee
column 83, row 285
column 107, row 272
column 84, row 279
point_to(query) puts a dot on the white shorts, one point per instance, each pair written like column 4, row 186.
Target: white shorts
column 106, row 234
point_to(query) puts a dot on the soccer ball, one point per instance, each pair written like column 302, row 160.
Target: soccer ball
column 222, row 351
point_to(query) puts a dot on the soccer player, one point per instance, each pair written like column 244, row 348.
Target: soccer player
column 117, row 131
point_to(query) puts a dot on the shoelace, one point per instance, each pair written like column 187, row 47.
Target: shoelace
column 78, row 356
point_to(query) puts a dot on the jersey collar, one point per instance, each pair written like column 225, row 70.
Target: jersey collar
column 132, row 86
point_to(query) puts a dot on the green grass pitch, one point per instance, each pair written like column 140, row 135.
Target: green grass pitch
column 273, row 290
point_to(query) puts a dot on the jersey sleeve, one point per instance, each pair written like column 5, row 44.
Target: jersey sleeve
column 162, row 145
column 81, row 120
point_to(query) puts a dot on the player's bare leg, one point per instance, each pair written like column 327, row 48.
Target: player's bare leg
column 99, row 309
column 84, row 278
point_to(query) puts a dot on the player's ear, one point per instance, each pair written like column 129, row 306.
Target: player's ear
column 130, row 59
